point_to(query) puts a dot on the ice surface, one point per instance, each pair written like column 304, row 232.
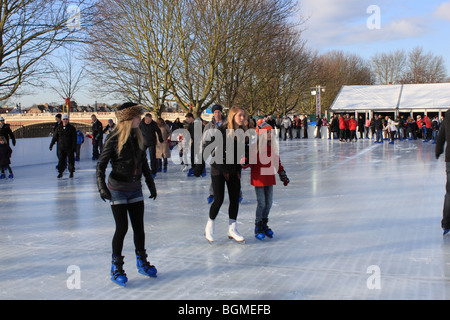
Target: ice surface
column 348, row 207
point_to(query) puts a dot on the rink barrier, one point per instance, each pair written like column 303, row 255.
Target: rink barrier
column 33, row 151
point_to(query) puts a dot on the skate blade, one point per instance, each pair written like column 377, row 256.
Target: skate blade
column 209, row 241
column 149, row 275
column 238, row 241
column 120, row 284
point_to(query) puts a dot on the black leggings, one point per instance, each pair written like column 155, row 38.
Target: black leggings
column 136, row 212
column 234, row 188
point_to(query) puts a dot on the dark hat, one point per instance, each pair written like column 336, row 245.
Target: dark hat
column 216, row 107
column 263, row 126
column 128, row 111
column 58, row 116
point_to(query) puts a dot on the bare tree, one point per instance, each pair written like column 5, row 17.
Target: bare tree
column 131, row 49
column 336, row 69
column 30, row 30
column 424, row 68
column 209, row 34
column 262, row 25
column 67, row 73
column 389, row 68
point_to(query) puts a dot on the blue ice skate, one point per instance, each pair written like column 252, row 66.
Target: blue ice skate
column 190, row 172
column 118, row 276
column 144, row 267
column 259, row 231
column 267, row 231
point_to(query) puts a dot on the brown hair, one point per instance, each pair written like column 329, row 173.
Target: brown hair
column 230, row 120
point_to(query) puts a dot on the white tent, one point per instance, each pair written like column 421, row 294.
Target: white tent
column 412, row 98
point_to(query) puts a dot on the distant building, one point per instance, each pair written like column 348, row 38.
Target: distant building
column 407, row 99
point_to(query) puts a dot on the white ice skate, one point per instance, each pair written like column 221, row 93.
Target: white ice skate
column 209, row 230
column 233, row 233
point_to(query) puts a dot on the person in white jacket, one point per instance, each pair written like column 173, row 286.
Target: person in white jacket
column 392, row 128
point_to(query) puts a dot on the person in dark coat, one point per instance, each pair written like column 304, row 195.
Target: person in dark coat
column 361, row 127
column 305, row 126
column 5, row 158
column 97, row 137
column 66, row 136
column 124, row 149
column 149, row 130
column 379, row 128
column 5, row 131
column 443, row 138
column 335, row 127
column 227, row 172
column 58, row 121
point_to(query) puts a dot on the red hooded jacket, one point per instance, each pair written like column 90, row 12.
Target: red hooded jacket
column 352, row 124
column 263, row 175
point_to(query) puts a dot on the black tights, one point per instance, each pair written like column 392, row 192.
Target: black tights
column 136, row 212
column 234, row 188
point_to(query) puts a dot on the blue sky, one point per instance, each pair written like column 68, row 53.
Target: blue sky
column 342, row 25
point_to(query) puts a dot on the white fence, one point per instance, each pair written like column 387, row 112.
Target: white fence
column 36, row 151
column 33, row 151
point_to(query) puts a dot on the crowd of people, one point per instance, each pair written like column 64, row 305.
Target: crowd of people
column 126, row 150
column 347, row 129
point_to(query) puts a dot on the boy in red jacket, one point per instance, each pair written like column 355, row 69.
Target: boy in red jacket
column 263, row 178
column 352, row 124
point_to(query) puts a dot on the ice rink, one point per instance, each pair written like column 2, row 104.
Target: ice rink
column 357, row 221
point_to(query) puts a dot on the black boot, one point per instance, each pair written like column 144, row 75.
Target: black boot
column 144, row 267
column 266, row 228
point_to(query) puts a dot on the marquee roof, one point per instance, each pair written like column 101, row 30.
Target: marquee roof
column 406, row 97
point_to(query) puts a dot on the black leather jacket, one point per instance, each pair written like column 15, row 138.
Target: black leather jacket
column 443, row 137
column 234, row 167
column 128, row 167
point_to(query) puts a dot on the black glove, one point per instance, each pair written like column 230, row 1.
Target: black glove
column 105, row 194
column 151, row 186
column 51, row 147
column 283, row 177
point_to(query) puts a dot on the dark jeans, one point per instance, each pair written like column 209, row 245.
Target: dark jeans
column 152, row 156
column 379, row 133
column 64, row 154
column 97, row 147
column 264, row 196
column 445, row 223
column 234, row 188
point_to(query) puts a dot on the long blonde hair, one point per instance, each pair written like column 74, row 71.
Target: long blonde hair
column 231, row 114
column 123, row 131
